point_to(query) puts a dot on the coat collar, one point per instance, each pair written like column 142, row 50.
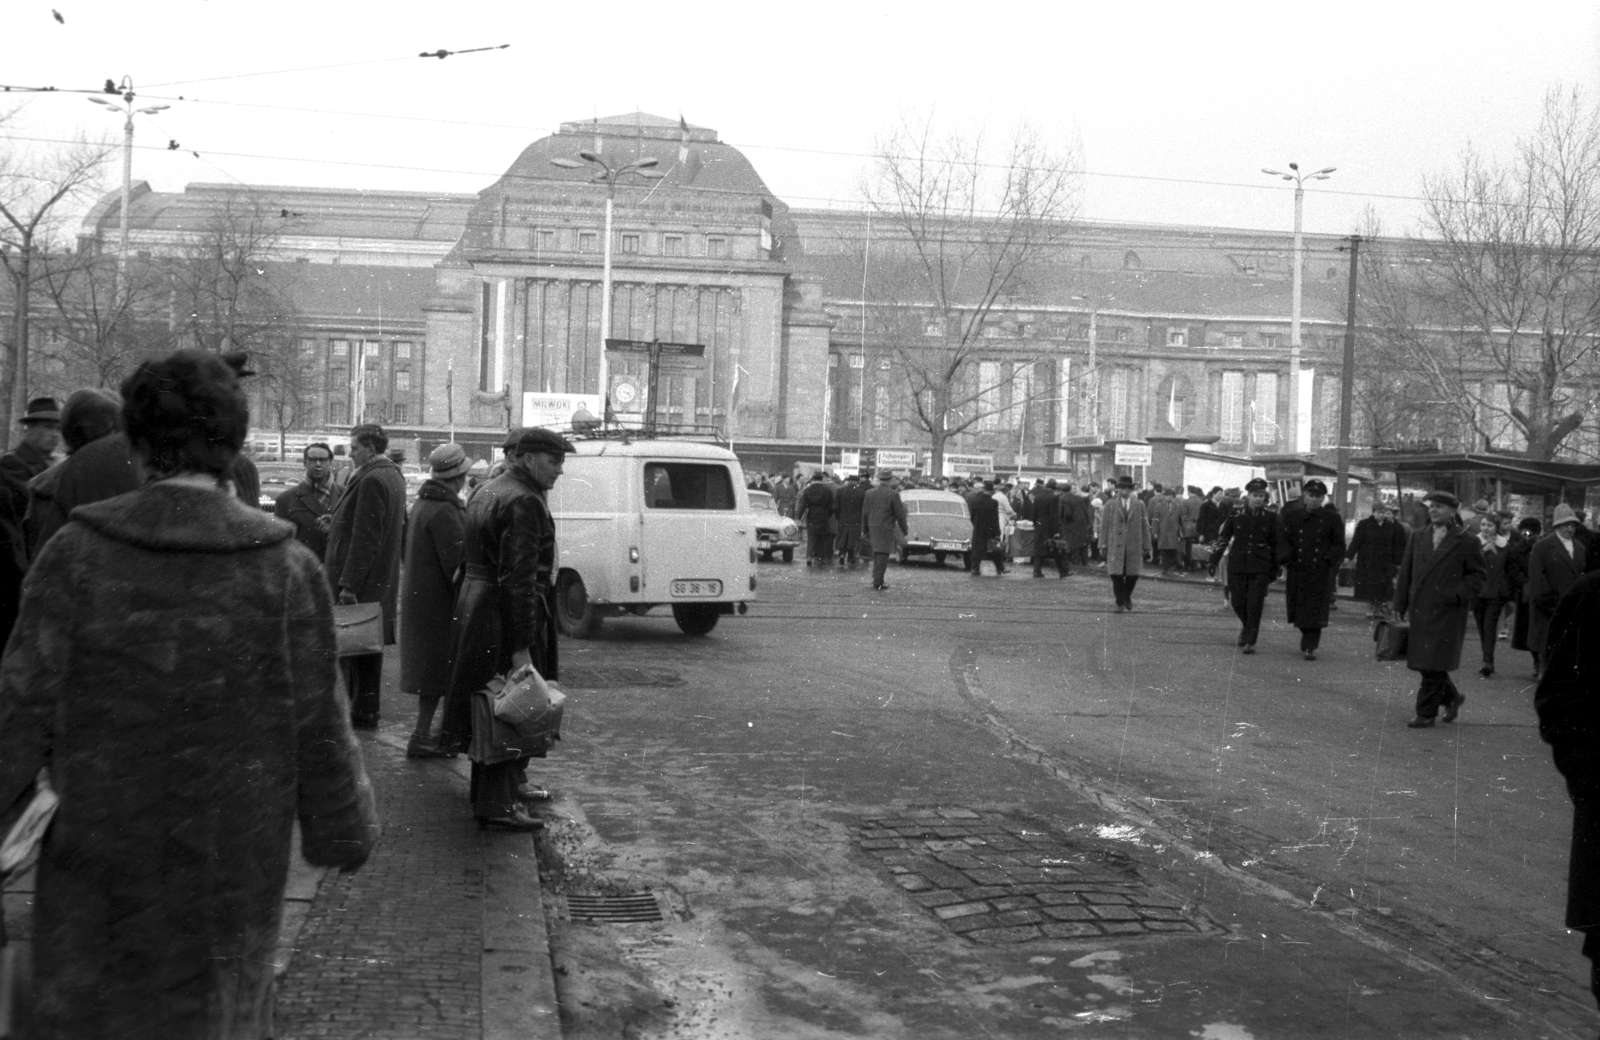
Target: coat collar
column 174, row 518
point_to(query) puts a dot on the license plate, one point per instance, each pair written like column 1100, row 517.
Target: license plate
column 696, row 587
column 957, row 546
column 765, row 543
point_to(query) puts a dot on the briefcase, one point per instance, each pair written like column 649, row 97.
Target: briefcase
column 1391, row 637
column 358, row 628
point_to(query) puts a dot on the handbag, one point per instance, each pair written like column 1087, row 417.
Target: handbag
column 26, row 836
column 358, row 628
column 529, row 705
column 1391, row 637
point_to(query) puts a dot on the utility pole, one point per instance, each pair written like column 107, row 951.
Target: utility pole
column 1347, row 382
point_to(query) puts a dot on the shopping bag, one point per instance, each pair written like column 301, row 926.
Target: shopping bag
column 358, row 628
column 528, row 704
column 26, row 836
column 1391, row 637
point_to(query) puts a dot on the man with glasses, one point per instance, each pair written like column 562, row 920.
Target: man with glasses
column 309, row 504
column 1313, row 547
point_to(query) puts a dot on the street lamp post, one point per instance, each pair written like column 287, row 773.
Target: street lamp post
column 1299, row 179
column 127, row 111
column 608, row 174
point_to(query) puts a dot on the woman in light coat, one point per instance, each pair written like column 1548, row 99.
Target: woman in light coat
column 1127, row 534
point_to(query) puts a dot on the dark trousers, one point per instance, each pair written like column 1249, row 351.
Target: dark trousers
column 363, row 677
column 880, row 567
column 1310, row 638
column 1591, row 950
column 1169, row 560
column 1247, row 593
column 1122, row 588
column 1487, row 612
column 996, row 555
column 1050, row 550
column 1435, row 692
column 493, row 787
column 819, row 545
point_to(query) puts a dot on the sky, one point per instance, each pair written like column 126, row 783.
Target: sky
column 1174, row 109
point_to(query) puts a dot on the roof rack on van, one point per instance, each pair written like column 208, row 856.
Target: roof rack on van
column 594, row 430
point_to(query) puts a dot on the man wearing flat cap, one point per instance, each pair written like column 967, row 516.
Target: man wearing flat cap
column 1313, row 547
column 41, row 432
column 1440, row 573
column 1254, row 539
column 434, row 529
column 1555, row 564
column 504, row 620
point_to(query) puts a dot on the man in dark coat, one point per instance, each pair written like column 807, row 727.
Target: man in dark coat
column 986, row 531
column 41, row 432
column 1441, row 572
column 99, row 465
column 428, row 591
column 505, row 620
column 847, row 502
column 1045, row 512
column 1077, row 521
column 1568, row 703
column 815, row 510
column 309, row 504
column 365, row 539
column 882, row 515
column 1491, row 602
column 1313, row 546
column 1377, row 546
column 1253, row 537
column 1517, row 554
column 1554, row 566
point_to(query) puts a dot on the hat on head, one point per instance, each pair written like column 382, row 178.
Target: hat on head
column 511, row 439
column 819, row 475
column 1232, row 493
column 1124, row 482
column 1564, row 515
column 1379, row 503
column 533, row 440
column 852, row 476
column 1444, row 498
column 1481, row 506
column 1256, row 486
column 448, row 460
column 1531, row 524
column 885, row 475
column 1314, row 487
column 41, row 409
column 1050, row 483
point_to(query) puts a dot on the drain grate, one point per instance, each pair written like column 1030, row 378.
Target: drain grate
column 624, row 908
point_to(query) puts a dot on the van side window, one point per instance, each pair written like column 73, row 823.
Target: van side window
column 687, row 485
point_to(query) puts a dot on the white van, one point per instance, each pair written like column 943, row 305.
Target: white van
column 647, row 522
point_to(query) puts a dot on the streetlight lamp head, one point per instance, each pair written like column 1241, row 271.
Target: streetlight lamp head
column 103, row 101
column 1326, row 169
column 567, row 164
column 152, row 110
column 588, row 156
column 647, row 162
column 654, row 175
column 1294, row 166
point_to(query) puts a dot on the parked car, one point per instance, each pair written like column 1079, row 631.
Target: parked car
column 938, row 523
column 775, row 533
column 276, row 478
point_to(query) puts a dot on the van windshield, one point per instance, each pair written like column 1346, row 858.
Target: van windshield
column 687, row 485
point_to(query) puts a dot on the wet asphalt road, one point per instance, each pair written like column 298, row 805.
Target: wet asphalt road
column 1342, row 874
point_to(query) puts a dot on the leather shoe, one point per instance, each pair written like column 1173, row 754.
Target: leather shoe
column 516, row 821
column 1452, row 709
column 1120, row 608
column 1249, row 648
column 1311, row 655
column 1486, row 671
column 418, row 747
column 1419, row 723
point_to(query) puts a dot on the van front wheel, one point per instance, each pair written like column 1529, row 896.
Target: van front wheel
column 575, row 615
column 696, row 619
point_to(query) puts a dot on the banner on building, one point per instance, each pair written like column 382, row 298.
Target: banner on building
column 1132, row 455
column 968, row 465
column 560, row 411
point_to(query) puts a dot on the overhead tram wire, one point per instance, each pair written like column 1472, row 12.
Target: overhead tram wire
column 440, row 53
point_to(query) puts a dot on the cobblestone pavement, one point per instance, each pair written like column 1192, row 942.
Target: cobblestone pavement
column 996, row 879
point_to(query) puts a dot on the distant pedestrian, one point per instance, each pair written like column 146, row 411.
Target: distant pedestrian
column 434, row 530
column 1554, row 565
column 309, row 504
column 883, row 525
column 1517, row 554
column 1312, row 548
column 1125, row 541
column 986, row 533
column 1252, row 539
column 1166, row 517
column 847, row 503
column 1568, row 704
column 173, row 666
column 1441, row 572
column 1048, row 532
column 815, row 510
column 41, row 432
column 1077, row 524
column 1378, row 545
column 365, row 540
column 1492, row 601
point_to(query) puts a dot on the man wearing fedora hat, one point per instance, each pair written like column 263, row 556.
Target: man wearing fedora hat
column 434, row 530
column 1127, row 537
column 41, row 432
column 883, row 525
column 1554, row 566
column 1440, row 574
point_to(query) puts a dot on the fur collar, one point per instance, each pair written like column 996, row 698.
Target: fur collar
column 173, row 518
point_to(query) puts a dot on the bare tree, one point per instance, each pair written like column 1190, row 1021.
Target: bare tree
column 223, row 297
column 288, row 388
column 962, row 236
column 1497, row 306
column 103, row 320
column 37, row 191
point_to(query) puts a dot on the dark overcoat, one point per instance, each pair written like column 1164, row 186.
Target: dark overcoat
column 1044, row 509
column 173, row 663
column 847, row 503
column 1377, row 547
column 815, row 507
column 103, row 468
column 985, row 513
column 1568, row 703
column 303, row 506
column 428, row 589
column 1126, row 535
column 1166, row 516
column 883, row 514
column 367, row 536
column 1313, row 548
column 1077, row 520
column 17, row 468
column 1209, row 521
column 1253, row 540
column 1434, row 589
column 1551, row 572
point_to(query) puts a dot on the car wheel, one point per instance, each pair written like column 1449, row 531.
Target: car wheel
column 788, row 556
column 696, row 619
column 575, row 615
column 938, row 558
column 766, row 556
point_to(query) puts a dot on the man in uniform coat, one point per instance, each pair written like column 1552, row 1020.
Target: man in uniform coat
column 882, row 513
column 434, row 531
column 1045, row 512
column 1254, row 539
column 41, row 432
column 309, row 504
column 363, row 563
column 1378, row 544
column 986, row 530
column 815, row 510
column 1125, row 541
column 847, row 502
column 1554, row 566
column 1441, row 572
column 1313, row 546
column 1568, row 703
